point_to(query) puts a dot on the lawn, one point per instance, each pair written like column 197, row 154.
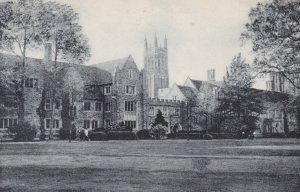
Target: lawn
column 165, row 165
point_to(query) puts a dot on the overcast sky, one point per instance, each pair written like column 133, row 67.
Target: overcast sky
column 202, row 34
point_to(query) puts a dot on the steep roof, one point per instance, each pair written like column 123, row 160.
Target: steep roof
column 111, row 65
column 89, row 74
column 199, row 83
column 188, row 92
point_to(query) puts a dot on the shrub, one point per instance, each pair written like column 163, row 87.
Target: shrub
column 98, row 136
column 293, row 134
column 208, row 136
column 64, row 133
column 24, row 132
column 158, row 131
column 143, row 134
column 121, row 135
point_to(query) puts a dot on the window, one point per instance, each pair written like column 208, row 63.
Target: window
column 91, row 88
column 107, row 121
column 176, row 111
column 151, row 110
column 6, row 123
column 48, row 104
column 174, row 98
column 47, row 123
column 94, row 124
column 107, row 106
column 56, row 123
column 130, row 90
column 87, row 106
column 30, row 82
column 97, row 106
column 107, row 90
column 86, row 124
column 130, row 105
column 165, row 111
column 130, row 73
column 131, row 124
column 57, row 104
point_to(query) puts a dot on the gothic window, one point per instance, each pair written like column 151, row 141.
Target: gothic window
column 165, row 111
column 151, row 110
column 30, row 82
column 130, row 105
column 47, row 124
column 86, row 124
column 176, row 111
column 130, row 90
column 130, row 73
column 107, row 122
column 94, row 124
column 107, row 90
column 48, row 104
column 97, row 106
column 57, row 104
column 87, row 106
column 6, row 123
column 131, row 124
column 107, row 107
column 56, row 123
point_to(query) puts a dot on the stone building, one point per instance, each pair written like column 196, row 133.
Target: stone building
column 155, row 73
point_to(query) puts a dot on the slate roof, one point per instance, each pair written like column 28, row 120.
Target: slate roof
column 111, row 65
column 188, row 92
column 89, row 74
column 199, row 83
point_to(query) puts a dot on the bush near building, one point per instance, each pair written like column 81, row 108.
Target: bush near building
column 24, row 132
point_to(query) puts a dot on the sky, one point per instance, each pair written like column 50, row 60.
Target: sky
column 202, row 34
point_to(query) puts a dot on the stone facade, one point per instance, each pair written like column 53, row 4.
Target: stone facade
column 156, row 74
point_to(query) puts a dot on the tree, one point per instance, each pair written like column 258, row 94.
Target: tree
column 59, row 25
column 274, row 31
column 72, row 93
column 19, row 33
column 160, row 119
column 158, row 125
column 238, row 101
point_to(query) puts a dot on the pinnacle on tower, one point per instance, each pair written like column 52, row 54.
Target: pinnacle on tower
column 155, row 41
column 146, row 44
column 166, row 43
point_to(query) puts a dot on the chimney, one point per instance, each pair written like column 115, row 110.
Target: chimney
column 211, row 75
column 48, row 52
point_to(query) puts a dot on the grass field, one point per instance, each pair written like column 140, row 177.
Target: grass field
column 166, row 165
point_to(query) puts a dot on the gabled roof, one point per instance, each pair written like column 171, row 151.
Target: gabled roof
column 111, row 65
column 93, row 75
column 199, row 83
column 188, row 92
column 89, row 74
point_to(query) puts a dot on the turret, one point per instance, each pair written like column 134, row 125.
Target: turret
column 165, row 43
column 146, row 44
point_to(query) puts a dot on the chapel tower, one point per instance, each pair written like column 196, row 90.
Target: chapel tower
column 156, row 74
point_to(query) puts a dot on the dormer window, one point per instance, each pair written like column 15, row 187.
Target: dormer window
column 107, row 90
column 130, row 73
column 130, row 90
column 31, row 82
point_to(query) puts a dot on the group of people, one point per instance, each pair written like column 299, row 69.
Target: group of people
column 83, row 134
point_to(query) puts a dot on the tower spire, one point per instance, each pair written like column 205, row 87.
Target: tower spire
column 155, row 41
column 165, row 42
column 146, row 44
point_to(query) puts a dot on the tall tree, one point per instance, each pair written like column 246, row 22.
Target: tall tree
column 60, row 26
column 238, row 100
column 274, row 31
column 19, row 33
